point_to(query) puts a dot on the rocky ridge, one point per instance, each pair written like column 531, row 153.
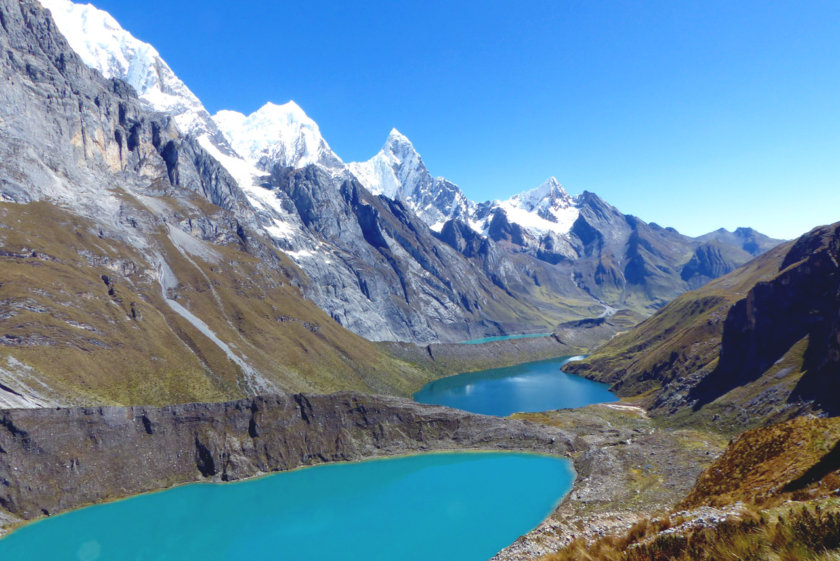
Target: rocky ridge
column 755, row 346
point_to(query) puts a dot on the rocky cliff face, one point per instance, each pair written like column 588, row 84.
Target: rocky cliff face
column 757, row 345
column 66, row 129
column 58, row 459
column 377, row 269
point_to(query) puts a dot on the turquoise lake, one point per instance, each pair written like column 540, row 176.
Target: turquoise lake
column 534, row 386
column 459, row 506
column 503, row 338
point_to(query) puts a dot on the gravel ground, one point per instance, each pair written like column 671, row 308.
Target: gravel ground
column 628, row 469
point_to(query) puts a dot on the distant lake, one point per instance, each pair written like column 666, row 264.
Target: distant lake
column 503, row 338
column 464, row 507
column 534, row 386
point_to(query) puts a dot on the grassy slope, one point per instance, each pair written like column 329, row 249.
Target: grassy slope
column 681, row 338
column 797, row 459
column 86, row 341
column 793, row 533
column 657, row 362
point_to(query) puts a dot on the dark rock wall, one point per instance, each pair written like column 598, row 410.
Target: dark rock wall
column 61, row 118
column 802, row 301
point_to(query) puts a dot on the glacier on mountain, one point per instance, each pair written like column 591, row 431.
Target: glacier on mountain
column 104, row 45
column 542, row 210
column 277, row 134
column 397, row 171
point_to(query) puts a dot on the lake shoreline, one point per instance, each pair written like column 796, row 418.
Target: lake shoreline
column 442, row 360
column 628, row 469
column 288, row 506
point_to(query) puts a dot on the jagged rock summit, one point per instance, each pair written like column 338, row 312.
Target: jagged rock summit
column 104, row 45
column 397, row 171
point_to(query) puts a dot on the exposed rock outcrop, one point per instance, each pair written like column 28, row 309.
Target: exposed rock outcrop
column 801, row 303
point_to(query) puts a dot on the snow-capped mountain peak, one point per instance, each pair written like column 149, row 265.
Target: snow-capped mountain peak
column 548, row 195
column 283, row 134
column 104, row 45
column 397, row 171
column 277, row 134
column 396, row 138
column 394, row 171
column 547, row 209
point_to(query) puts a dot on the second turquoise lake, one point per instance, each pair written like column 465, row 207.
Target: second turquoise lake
column 534, row 386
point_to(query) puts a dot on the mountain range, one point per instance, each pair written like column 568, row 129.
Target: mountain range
column 216, row 255
column 367, row 234
column 154, row 254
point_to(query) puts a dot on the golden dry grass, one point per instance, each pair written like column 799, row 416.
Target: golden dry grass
column 801, row 533
column 120, row 343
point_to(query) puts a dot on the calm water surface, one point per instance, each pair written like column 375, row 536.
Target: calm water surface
column 534, row 386
column 435, row 507
column 503, row 338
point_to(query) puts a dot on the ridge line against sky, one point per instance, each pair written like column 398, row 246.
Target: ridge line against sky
column 694, row 116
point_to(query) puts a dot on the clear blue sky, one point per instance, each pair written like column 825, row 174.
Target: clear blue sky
column 695, row 115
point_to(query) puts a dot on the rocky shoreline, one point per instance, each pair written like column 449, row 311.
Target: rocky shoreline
column 628, row 468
